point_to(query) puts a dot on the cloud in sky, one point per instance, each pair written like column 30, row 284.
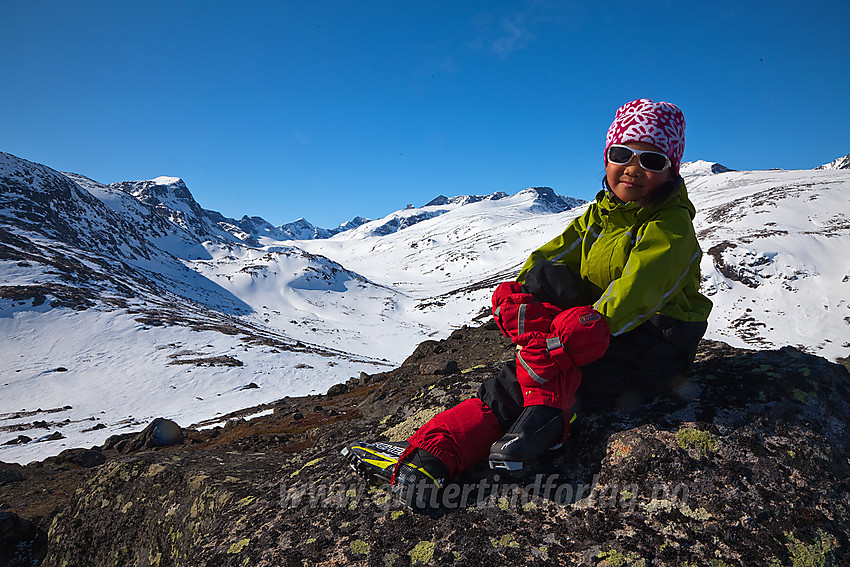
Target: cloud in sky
column 501, row 33
column 516, row 34
column 505, row 34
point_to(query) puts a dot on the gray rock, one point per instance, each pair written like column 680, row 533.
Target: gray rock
column 86, row 458
column 14, row 529
column 337, row 389
column 10, row 474
column 160, row 432
column 439, row 368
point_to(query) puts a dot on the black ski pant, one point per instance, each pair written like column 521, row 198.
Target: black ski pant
column 638, row 366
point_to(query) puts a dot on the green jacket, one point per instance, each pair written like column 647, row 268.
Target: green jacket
column 635, row 261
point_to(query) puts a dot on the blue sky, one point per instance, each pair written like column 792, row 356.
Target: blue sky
column 326, row 110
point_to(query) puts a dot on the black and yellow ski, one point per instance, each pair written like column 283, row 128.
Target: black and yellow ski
column 377, row 460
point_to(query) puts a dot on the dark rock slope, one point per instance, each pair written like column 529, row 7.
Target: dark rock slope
column 747, row 465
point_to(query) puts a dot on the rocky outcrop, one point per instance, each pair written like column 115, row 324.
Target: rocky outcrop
column 746, row 464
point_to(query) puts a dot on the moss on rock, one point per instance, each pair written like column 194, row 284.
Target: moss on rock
column 703, row 442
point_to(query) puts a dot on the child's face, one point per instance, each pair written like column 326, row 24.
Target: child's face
column 631, row 182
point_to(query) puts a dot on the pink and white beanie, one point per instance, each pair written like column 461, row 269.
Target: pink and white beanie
column 661, row 124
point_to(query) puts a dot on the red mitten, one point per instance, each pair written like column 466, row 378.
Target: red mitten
column 520, row 313
column 584, row 333
column 546, row 375
column 535, row 365
column 503, row 290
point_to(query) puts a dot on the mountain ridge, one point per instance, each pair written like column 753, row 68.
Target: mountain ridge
column 172, row 200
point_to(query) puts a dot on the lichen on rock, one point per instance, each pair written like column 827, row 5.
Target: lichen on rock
column 734, row 470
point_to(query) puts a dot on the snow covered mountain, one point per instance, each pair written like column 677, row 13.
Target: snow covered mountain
column 701, row 167
column 299, row 229
column 776, row 263
column 124, row 302
column 171, row 200
column 838, row 163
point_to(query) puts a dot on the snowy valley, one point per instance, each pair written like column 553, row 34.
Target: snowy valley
column 124, row 302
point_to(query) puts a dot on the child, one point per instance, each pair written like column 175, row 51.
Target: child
column 617, row 294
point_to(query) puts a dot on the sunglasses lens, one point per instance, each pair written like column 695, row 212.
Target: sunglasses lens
column 620, row 154
column 652, row 161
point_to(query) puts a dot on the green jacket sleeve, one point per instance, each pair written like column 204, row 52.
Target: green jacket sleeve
column 664, row 259
column 565, row 248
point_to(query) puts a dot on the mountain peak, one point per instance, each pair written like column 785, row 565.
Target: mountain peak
column 162, row 189
column 546, row 193
column 167, row 180
column 442, row 200
column 547, row 198
column 702, row 167
column 171, row 199
column 437, row 201
column 839, row 163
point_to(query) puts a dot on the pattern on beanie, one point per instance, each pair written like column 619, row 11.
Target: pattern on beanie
column 661, row 124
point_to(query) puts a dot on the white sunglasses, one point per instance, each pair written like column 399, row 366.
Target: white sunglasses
column 648, row 159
